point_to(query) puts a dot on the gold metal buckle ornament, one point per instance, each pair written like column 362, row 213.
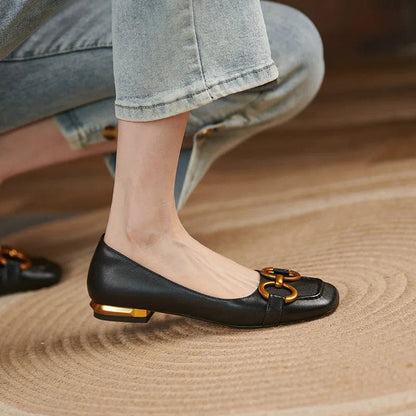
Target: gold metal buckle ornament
column 278, row 280
column 8, row 252
column 110, row 132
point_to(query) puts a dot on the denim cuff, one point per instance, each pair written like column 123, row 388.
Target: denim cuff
column 173, row 57
column 83, row 126
column 169, row 104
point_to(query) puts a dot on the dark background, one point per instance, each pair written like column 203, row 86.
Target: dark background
column 353, row 29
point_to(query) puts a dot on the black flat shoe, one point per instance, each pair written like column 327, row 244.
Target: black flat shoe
column 123, row 290
column 19, row 272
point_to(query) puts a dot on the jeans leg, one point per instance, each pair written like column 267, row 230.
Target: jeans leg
column 171, row 56
column 19, row 19
column 83, row 125
column 64, row 64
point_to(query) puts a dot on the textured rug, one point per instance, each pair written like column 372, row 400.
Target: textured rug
column 340, row 208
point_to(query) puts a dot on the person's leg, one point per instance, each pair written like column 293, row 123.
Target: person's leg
column 153, row 101
column 144, row 224
column 19, row 148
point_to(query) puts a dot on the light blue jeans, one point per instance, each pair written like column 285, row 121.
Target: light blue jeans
column 88, row 64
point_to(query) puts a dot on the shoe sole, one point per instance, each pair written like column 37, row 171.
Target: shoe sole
column 134, row 315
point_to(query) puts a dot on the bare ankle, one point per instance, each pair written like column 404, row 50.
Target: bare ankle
column 145, row 236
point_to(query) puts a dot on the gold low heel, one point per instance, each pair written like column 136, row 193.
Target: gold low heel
column 117, row 313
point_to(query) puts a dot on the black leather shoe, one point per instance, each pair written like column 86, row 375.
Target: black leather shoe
column 19, row 272
column 123, row 290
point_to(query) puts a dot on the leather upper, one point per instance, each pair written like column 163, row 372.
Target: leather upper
column 42, row 273
column 116, row 280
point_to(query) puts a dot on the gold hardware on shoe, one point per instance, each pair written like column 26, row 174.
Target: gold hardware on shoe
column 8, row 252
column 278, row 280
column 110, row 132
column 208, row 131
column 119, row 311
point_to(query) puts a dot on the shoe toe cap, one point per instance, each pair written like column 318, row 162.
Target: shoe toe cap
column 329, row 299
column 309, row 308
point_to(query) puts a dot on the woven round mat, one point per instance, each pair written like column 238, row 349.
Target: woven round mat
column 350, row 223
